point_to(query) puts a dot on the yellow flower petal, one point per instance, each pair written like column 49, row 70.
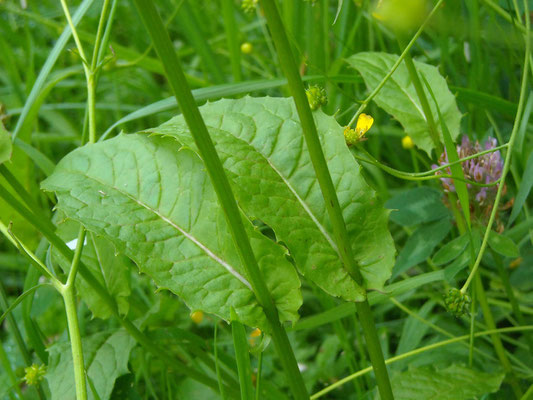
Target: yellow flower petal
column 255, row 333
column 364, row 123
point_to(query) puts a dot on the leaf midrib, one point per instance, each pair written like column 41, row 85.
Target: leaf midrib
column 193, row 239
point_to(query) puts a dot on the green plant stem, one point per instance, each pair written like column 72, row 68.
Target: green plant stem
column 220, row 182
column 507, row 162
column 400, row 357
column 365, row 102
column 69, row 298
column 320, row 166
column 431, row 173
column 232, row 38
column 426, row 109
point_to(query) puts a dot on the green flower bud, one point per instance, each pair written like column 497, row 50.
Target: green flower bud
column 34, row 374
column 316, row 97
column 248, row 6
column 457, row 302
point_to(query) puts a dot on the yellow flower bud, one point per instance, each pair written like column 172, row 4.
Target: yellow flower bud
column 255, row 333
column 197, row 317
column 407, row 142
column 246, row 48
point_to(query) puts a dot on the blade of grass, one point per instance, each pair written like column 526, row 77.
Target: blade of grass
column 240, row 344
column 232, row 38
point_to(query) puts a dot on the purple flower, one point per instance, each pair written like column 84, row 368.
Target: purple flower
column 483, row 169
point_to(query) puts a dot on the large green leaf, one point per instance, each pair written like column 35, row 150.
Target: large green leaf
column 106, row 356
column 453, row 383
column 157, row 205
column 109, row 268
column 262, row 148
column 398, row 96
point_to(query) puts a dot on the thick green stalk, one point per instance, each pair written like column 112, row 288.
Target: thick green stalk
column 320, row 166
column 220, row 182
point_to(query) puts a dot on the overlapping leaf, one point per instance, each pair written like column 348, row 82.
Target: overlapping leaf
column 106, row 356
column 262, row 148
column 157, row 205
column 456, row 382
column 399, row 98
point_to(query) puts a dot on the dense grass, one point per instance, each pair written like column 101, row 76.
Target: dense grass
column 160, row 350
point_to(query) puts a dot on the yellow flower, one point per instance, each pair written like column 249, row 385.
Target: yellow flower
column 407, row 142
column 364, row 123
column 255, row 333
column 197, row 317
column 246, row 48
column 353, row 136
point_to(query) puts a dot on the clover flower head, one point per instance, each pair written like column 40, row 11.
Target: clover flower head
column 483, row 169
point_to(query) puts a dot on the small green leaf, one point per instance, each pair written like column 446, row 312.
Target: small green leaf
column 398, row 96
column 456, row 382
column 503, row 245
column 5, row 144
column 451, row 250
column 153, row 200
column 261, row 145
column 106, row 356
column 456, row 266
column 416, row 206
column 421, row 244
